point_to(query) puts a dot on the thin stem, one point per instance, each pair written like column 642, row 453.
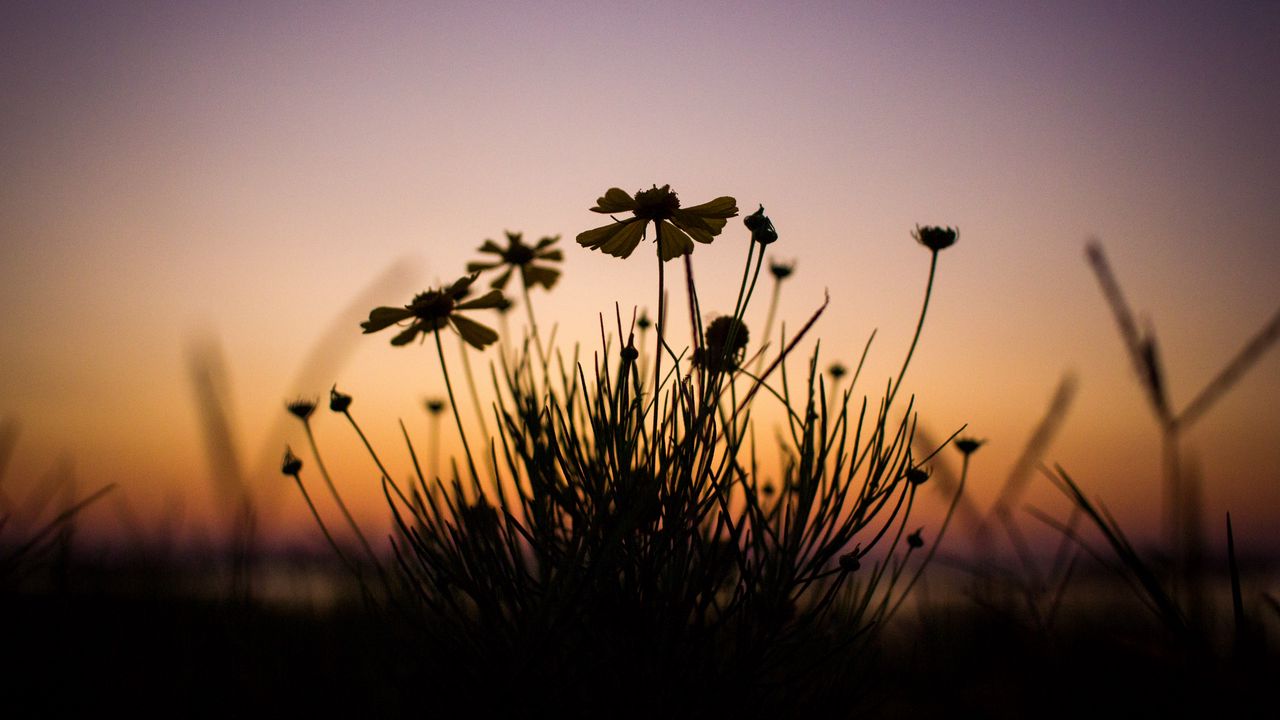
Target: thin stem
column 657, row 357
column 324, row 473
column 381, row 468
column 466, row 447
column 533, row 330
column 471, row 385
column 924, row 309
column 324, row 528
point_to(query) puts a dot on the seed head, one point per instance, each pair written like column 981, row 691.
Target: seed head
column 781, row 270
column 837, row 370
column 914, row 541
column 435, row 406
column 936, row 238
column 301, row 408
column 968, row 445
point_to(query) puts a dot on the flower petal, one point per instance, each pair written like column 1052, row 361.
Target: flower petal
column 491, row 299
column 546, row 241
column 544, row 276
column 490, row 246
column 613, row 201
column 472, row 332
column 617, row 238
column 475, row 266
column 460, row 288
column 406, row 337
column 702, row 229
column 624, row 242
column 672, row 241
column 722, row 207
column 500, row 282
column 550, row 255
column 384, row 317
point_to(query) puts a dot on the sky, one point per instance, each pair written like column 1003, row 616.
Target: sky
column 241, row 182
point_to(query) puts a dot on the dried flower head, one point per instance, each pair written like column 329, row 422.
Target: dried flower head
column 435, row 309
column 936, row 238
column 914, row 540
column 675, row 227
column 968, row 445
column 761, row 227
column 301, row 408
column 291, row 465
column 644, row 323
column 435, row 406
column 528, row 259
column 781, row 270
column 837, row 370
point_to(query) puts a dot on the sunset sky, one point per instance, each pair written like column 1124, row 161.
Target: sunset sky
column 185, row 177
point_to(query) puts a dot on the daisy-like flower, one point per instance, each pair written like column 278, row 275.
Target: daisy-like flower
column 676, row 227
column 434, row 309
column 525, row 257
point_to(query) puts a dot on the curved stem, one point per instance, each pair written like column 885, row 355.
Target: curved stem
column 533, row 330
column 324, row 473
column 324, row 528
column 924, row 309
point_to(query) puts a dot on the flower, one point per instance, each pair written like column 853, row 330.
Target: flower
column 761, row 227
column 676, row 228
column 291, row 464
column 781, row 270
column 433, row 309
column 524, row 257
column 936, row 238
column 837, row 370
column 338, row 402
column 301, row 408
column 968, row 445
column 435, row 406
column 916, row 476
column 914, row 540
column 725, row 342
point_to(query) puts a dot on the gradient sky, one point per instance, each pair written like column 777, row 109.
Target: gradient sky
column 181, row 176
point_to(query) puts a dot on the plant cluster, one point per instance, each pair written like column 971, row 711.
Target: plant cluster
column 622, row 540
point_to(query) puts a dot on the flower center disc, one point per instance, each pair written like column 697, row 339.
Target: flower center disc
column 656, row 203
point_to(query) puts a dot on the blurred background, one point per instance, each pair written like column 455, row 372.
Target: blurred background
column 201, row 202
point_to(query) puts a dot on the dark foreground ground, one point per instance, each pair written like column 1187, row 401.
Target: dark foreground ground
column 155, row 653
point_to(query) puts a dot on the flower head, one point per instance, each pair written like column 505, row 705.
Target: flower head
column 291, row 464
column 725, row 343
column 675, row 227
column 968, row 445
column 914, row 540
column 435, row 406
column 525, row 257
column 936, row 238
column 301, row 408
column 761, row 227
column 781, row 270
column 434, row 309
column 837, row 370
column 916, row 476
column 338, row 402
